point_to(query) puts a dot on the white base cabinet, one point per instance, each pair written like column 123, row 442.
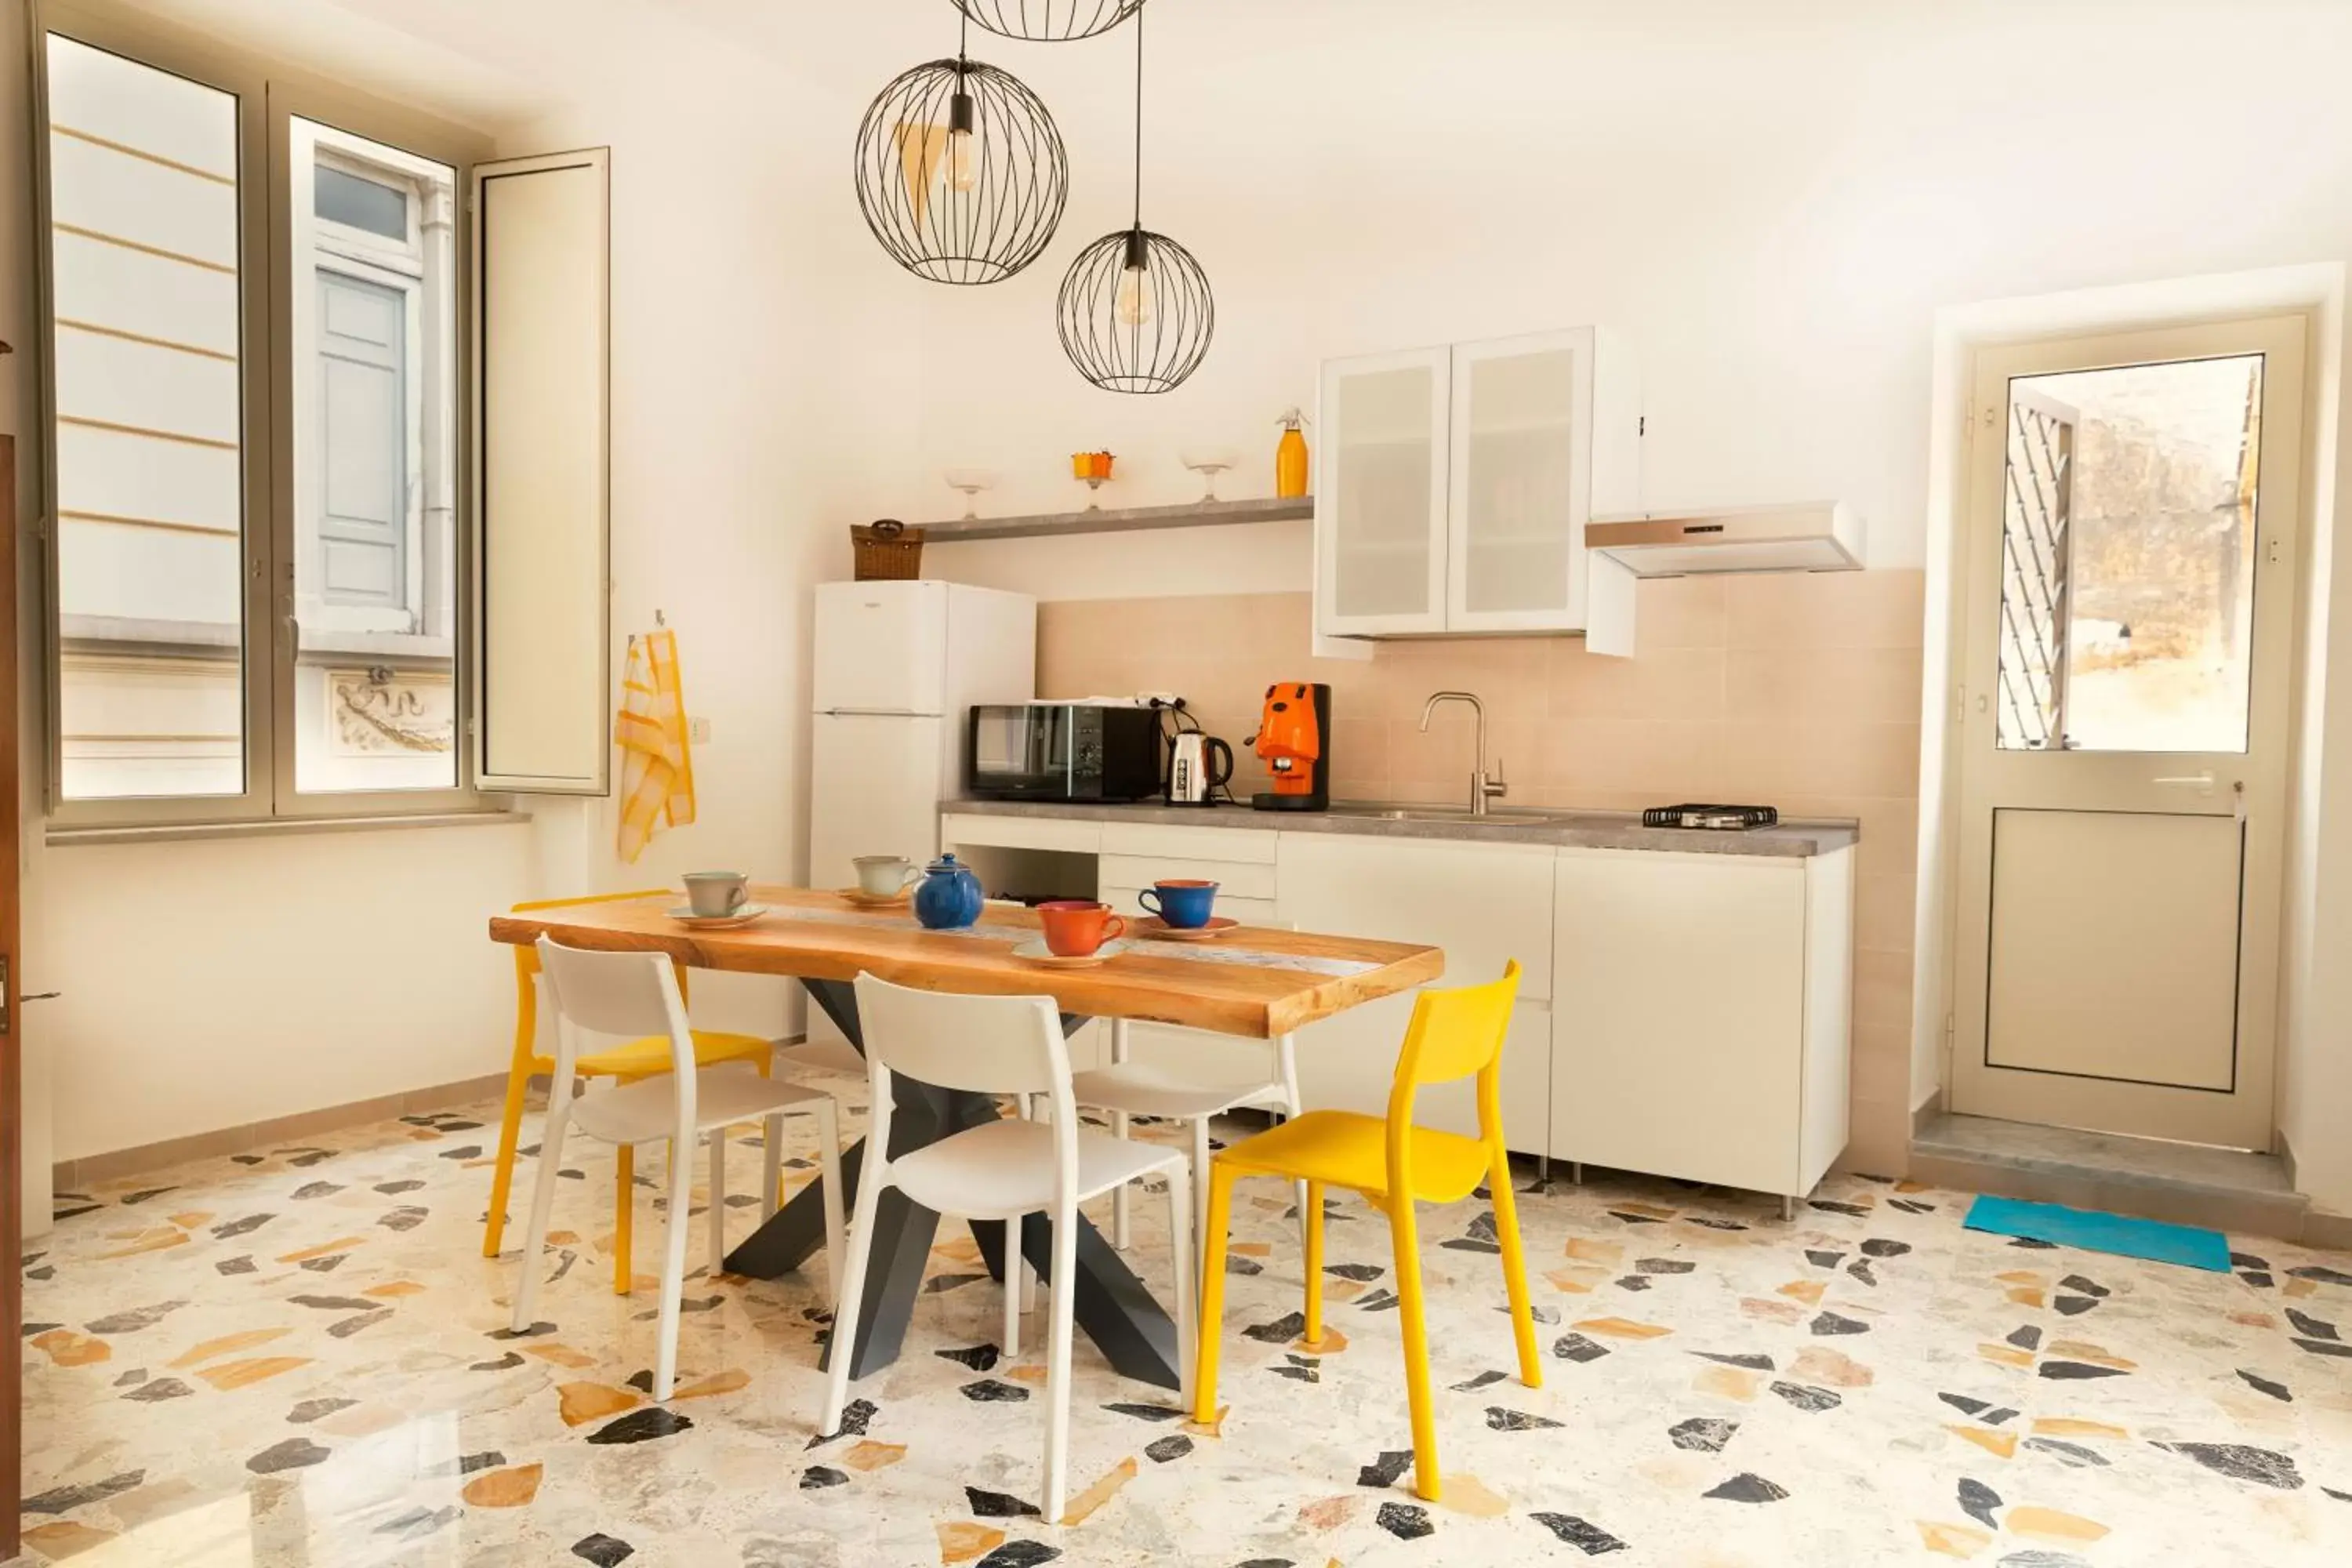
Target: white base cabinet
column 1484, row 904
column 1701, row 1023
column 1680, row 1013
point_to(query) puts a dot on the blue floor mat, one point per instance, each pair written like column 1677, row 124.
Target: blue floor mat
column 2119, row 1234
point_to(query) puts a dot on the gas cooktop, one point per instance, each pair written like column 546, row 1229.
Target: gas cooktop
column 1713, row 819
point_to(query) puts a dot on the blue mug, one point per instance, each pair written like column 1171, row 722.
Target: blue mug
column 1184, row 905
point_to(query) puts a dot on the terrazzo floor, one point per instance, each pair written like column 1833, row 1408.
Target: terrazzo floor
column 302, row 1358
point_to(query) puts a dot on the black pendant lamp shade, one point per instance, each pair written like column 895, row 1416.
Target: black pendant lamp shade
column 960, row 172
column 1136, row 311
column 1049, row 21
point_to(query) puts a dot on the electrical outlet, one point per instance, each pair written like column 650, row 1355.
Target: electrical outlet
column 697, row 731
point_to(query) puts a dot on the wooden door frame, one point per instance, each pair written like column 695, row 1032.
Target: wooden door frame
column 12, row 1045
column 2158, row 1111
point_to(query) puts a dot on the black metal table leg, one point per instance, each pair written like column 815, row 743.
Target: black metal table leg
column 791, row 1236
column 1111, row 1303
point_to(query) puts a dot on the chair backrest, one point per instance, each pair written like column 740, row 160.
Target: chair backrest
column 1455, row 1033
column 527, row 958
column 985, row 1044
column 630, row 994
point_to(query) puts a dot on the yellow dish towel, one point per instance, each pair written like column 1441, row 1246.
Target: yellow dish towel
column 656, row 770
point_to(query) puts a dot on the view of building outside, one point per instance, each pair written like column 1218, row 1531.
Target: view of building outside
column 2128, row 557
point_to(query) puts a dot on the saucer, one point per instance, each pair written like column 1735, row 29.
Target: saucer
column 684, row 915
column 1159, row 930
column 865, row 899
column 1035, row 951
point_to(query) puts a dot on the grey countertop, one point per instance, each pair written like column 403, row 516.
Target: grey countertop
column 1792, row 839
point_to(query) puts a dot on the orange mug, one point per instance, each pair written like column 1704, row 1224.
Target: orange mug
column 1075, row 928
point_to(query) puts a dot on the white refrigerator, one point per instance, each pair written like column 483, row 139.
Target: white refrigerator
column 898, row 667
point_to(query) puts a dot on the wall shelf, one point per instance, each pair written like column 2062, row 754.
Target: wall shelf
column 1121, row 520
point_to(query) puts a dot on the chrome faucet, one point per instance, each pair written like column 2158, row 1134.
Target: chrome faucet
column 1484, row 786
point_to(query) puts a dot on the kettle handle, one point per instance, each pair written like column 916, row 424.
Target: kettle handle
column 1219, row 772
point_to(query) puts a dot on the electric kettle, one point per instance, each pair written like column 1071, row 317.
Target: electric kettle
column 1198, row 766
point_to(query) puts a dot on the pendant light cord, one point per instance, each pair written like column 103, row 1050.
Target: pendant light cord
column 1139, row 117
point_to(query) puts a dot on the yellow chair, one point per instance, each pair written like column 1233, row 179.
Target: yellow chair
column 1391, row 1163
column 636, row 1059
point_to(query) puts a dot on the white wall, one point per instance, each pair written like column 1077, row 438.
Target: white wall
column 209, row 984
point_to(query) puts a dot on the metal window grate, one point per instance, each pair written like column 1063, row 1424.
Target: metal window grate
column 2035, row 545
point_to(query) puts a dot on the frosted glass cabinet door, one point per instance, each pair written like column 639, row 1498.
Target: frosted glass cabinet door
column 1521, row 452
column 1380, row 496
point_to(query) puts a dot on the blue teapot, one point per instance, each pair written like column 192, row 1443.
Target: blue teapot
column 948, row 897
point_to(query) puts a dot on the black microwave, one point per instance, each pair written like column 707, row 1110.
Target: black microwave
column 1062, row 750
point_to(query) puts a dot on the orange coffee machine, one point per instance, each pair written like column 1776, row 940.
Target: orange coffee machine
column 1294, row 741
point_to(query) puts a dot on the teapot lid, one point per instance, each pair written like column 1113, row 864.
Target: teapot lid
column 947, row 862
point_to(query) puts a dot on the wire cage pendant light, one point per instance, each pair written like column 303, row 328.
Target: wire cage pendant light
column 1136, row 310
column 1049, row 21
column 960, row 171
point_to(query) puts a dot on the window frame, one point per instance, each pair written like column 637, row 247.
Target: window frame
column 269, row 95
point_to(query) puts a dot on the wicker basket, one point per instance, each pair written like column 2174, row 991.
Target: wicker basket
column 888, row 551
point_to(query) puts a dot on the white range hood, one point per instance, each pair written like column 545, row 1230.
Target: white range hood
column 1809, row 536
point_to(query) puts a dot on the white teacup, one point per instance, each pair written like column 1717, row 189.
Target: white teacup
column 716, row 893
column 885, row 876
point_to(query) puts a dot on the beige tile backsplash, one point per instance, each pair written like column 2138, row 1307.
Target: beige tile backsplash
column 1799, row 691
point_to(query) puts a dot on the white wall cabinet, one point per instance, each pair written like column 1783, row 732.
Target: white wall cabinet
column 1701, row 1022
column 1484, row 904
column 1455, row 483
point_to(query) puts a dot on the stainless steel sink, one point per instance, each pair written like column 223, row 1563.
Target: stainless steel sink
column 1443, row 814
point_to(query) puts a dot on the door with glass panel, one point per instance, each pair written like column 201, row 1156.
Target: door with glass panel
column 2131, row 539
column 1381, row 494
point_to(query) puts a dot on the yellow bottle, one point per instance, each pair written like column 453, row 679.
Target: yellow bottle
column 1290, row 464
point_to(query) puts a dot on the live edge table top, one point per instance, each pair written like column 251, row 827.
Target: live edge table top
column 1254, row 981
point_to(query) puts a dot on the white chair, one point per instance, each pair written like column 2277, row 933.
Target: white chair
column 633, row 995
column 1127, row 1089
column 1004, row 1170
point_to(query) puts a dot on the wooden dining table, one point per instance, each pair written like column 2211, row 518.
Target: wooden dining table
column 1256, row 983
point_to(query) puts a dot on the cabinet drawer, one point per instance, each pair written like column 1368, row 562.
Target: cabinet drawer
column 1022, row 833
column 1249, row 912
column 1235, row 880
column 1241, row 845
